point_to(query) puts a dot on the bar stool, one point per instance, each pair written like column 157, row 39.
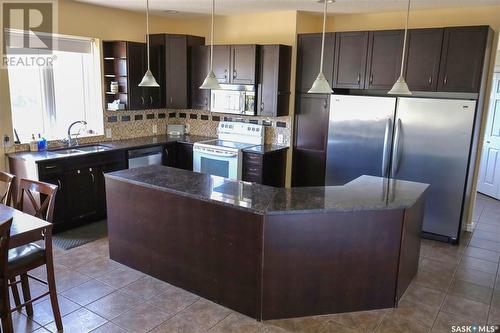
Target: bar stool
column 25, row 258
column 4, row 250
column 8, row 181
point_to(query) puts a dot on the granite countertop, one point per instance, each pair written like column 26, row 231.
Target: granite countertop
column 113, row 145
column 363, row 193
column 133, row 143
column 265, row 149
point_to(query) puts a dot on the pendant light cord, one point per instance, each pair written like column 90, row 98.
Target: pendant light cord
column 405, row 37
column 147, row 30
column 212, row 37
column 323, row 38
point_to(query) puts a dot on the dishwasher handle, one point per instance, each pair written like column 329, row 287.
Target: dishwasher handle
column 142, row 152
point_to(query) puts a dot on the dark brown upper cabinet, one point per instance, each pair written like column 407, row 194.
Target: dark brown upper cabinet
column 273, row 93
column 200, row 65
column 423, row 55
column 235, row 64
column 462, row 59
column 136, row 57
column 308, row 59
column 385, row 50
column 350, row 59
column 222, row 63
column 243, row 64
column 170, row 59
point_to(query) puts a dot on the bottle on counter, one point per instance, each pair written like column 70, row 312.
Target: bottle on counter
column 33, row 143
column 42, row 143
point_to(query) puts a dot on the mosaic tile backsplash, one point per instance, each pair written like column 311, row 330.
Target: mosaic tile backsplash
column 132, row 124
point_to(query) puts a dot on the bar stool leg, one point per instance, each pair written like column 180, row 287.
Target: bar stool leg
column 26, row 294
column 15, row 292
column 6, row 315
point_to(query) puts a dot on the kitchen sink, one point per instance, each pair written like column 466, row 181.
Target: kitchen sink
column 81, row 150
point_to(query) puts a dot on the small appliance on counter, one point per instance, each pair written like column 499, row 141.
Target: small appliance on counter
column 177, row 130
column 223, row 156
column 234, row 99
column 116, row 105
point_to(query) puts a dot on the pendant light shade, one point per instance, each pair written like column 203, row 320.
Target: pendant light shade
column 400, row 87
column 321, row 85
column 211, row 81
column 148, row 80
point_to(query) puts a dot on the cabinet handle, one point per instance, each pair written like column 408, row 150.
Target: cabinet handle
column 142, row 100
column 445, row 79
column 325, row 104
column 262, row 106
column 171, row 99
column 371, row 78
column 430, row 80
column 151, row 99
column 59, row 183
column 235, row 74
column 206, row 101
column 359, row 78
column 93, row 178
column 78, row 171
column 225, row 73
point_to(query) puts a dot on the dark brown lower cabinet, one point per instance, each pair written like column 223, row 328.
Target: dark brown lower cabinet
column 267, row 169
column 309, row 167
column 184, row 156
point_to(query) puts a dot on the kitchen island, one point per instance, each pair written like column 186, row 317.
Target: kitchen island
column 268, row 252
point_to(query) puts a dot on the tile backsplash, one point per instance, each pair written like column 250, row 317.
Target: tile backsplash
column 131, row 124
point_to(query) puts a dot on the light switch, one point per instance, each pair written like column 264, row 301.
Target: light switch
column 108, row 133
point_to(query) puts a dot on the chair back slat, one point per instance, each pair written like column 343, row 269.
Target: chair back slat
column 40, row 196
column 8, row 185
column 4, row 246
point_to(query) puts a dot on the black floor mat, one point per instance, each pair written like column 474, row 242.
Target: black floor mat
column 79, row 236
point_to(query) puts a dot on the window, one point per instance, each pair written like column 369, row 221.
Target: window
column 46, row 100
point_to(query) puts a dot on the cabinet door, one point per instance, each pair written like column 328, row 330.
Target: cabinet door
column 177, row 85
column 350, row 59
column 268, row 87
column 184, row 156
column 81, row 193
column 308, row 168
column 462, row 59
column 385, row 49
column 155, row 96
column 243, row 60
column 199, row 69
column 308, row 59
column 222, row 60
column 60, row 207
column 422, row 60
column 136, row 55
column 169, row 153
column 311, row 121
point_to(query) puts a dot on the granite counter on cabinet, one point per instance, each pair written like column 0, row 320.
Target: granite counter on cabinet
column 269, row 252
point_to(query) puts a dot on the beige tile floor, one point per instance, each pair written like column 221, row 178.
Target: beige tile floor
column 454, row 285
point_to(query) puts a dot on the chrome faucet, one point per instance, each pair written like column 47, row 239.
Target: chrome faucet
column 83, row 122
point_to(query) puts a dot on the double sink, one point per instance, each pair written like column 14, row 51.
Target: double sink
column 79, row 150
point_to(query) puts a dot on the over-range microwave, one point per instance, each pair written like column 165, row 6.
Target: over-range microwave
column 235, row 99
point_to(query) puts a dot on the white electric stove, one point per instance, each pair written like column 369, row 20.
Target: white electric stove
column 223, row 156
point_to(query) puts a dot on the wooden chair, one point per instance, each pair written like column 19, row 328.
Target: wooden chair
column 4, row 254
column 22, row 259
column 8, row 181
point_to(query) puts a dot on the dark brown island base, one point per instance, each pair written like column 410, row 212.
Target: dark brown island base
column 268, row 252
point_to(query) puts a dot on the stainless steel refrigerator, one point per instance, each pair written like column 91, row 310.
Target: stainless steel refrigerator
column 417, row 139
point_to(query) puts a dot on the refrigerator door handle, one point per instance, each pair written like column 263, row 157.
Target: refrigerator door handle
column 396, row 155
column 385, row 157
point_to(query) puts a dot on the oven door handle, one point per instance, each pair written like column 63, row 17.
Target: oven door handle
column 208, row 152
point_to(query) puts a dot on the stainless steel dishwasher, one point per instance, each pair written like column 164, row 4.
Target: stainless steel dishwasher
column 145, row 156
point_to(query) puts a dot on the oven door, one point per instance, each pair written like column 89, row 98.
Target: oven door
column 217, row 162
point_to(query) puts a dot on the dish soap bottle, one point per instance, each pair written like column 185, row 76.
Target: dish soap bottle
column 33, row 143
column 42, row 143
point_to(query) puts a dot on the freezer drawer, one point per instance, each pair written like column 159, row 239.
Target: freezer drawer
column 432, row 141
column 359, row 137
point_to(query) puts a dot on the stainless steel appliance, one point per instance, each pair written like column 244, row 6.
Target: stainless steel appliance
column 223, row 156
column 233, row 99
column 144, row 157
column 417, row 139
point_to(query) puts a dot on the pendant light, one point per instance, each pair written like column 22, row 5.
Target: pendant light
column 321, row 85
column 400, row 87
column 210, row 81
column 148, row 80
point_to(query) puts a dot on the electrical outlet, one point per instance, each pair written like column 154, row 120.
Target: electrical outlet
column 280, row 139
column 155, row 129
column 108, row 133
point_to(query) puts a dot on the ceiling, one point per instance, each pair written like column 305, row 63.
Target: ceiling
column 202, row 7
